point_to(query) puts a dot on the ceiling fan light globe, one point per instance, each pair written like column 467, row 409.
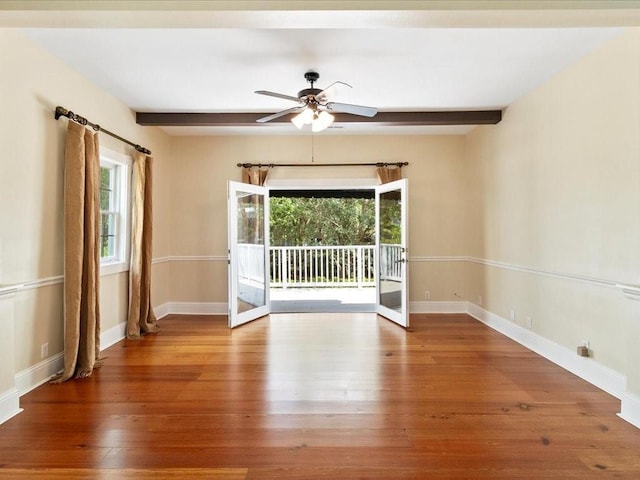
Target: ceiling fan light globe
column 322, row 122
column 307, row 115
column 298, row 121
column 303, row 118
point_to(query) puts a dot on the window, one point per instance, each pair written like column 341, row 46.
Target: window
column 114, row 212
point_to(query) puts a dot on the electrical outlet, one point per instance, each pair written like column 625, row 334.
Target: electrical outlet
column 479, row 299
column 427, row 295
column 529, row 322
column 512, row 314
column 583, row 351
column 44, row 350
column 586, row 343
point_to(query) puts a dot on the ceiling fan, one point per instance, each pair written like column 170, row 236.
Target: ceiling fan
column 313, row 105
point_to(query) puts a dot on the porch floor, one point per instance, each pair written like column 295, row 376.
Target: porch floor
column 323, row 300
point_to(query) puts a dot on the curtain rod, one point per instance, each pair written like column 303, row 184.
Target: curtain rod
column 271, row 165
column 63, row 112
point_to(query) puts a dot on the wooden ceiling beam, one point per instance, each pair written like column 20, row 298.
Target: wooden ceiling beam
column 459, row 117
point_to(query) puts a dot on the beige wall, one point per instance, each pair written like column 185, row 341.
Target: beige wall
column 31, row 181
column 555, row 188
column 204, row 164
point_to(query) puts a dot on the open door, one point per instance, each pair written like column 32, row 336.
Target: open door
column 248, row 224
column 391, row 240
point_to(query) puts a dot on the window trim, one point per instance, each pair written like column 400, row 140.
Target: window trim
column 122, row 192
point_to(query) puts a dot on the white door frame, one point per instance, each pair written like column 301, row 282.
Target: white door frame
column 399, row 316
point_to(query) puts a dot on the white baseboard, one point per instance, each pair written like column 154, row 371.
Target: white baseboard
column 602, row 377
column 631, row 409
column 113, row 335
column 161, row 310
column 9, row 404
column 437, row 307
column 40, row 373
column 191, row 308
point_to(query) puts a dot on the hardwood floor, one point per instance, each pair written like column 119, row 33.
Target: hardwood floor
column 321, row 396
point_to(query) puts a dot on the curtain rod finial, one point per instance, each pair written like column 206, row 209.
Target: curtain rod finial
column 60, row 112
column 141, row 149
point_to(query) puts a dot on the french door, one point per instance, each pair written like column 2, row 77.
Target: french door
column 248, row 256
column 248, row 226
column 391, row 242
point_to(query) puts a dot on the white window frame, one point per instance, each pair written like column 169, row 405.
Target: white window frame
column 122, row 199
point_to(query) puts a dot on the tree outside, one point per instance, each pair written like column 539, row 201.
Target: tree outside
column 298, row 221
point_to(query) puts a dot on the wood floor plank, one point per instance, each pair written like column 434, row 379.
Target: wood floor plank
column 126, row 474
column 321, row 397
column 385, row 473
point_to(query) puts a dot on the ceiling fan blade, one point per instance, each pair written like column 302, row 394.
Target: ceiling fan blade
column 331, row 90
column 278, row 95
column 268, row 118
column 353, row 109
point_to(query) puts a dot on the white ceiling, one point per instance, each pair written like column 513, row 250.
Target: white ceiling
column 392, row 67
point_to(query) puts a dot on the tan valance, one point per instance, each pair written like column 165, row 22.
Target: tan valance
column 388, row 174
column 254, row 175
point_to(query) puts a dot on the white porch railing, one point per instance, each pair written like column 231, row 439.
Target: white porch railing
column 320, row 266
column 251, row 262
column 391, row 262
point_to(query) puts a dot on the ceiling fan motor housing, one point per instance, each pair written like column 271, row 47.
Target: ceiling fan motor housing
column 309, row 92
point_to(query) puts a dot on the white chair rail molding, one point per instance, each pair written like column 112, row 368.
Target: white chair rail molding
column 630, row 291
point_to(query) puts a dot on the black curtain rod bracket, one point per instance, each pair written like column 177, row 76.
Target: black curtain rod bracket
column 271, row 165
column 63, row 112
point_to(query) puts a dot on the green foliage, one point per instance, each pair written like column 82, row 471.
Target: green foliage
column 390, row 218
column 251, row 219
column 322, row 221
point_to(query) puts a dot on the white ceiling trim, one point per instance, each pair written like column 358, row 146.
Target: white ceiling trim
column 392, row 17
